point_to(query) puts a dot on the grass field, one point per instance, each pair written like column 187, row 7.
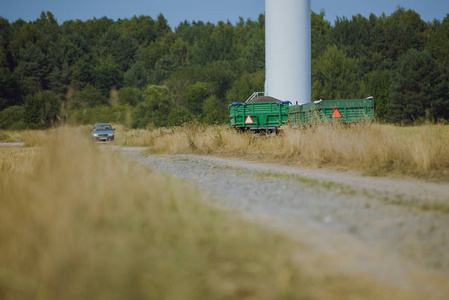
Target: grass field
column 375, row 149
column 80, row 223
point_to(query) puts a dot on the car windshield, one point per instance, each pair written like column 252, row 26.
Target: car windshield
column 102, row 127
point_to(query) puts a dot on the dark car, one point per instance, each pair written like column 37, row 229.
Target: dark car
column 102, row 132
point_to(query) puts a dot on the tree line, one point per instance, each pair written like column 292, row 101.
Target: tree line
column 140, row 72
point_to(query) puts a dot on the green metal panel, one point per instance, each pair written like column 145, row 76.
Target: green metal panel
column 270, row 114
column 295, row 114
column 264, row 115
column 352, row 110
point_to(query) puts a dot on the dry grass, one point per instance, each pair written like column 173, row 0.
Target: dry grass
column 18, row 159
column 134, row 137
column 376, row 149
column 421, row 151
column 79, row 223
column 7, row 136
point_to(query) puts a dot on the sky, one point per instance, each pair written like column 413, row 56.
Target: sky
column 176, row 11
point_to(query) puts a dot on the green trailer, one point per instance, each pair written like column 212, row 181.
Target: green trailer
column 258, row 116
column 341, row 111
column 266, row 114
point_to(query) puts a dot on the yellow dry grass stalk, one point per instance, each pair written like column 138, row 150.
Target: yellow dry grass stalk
column 18, row 159
column 373, row 148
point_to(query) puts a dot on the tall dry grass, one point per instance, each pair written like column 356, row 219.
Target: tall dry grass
column 374, row 148
column 21, row 159
column 80, row 223
column 83, row 224
column 29, row 137
column 7, row 136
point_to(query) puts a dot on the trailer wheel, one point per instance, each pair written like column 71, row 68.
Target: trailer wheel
column 272, row 132
column 241, row 130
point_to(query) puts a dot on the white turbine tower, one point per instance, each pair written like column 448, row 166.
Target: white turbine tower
column 288, row 50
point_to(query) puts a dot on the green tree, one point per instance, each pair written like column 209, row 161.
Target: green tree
column 140, row 28
column 161, row 26
column 193, row 33
column 400, row 33
column 129, row 95
column 124, row 51
column 136, row 76
column 377, row 85
column 25, row 34
column 8, row 90
column 49, row 40
column 162, row 69
column 203, row 50
column 155, row 108
column 179, row 115
column 318, row 24
column 245, row 86
column 41, row 109
column 157, row 94
column 82, row 72
column 6, row 33
column 418, row 86
column 149, row 55
column 334, row 75
column 179, row 52
column 439, row 44
column 413, row 20
column 83, row 61
column 74, row 43
column 195, row 96
column 106, row 76
column 214, row 111
column 12, row 118
column 96, row 28
column 32, row 69
column 219, row 75
column 121, row 47
column 351, row 35
column 320, row 30
column 91, row 96
column 223, row 42
column 58, row 79
column 254, row 53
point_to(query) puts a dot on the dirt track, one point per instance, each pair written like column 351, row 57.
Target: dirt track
column 391, row 229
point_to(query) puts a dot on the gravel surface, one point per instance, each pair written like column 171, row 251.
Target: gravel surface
column 350, row 223
column 12, row 144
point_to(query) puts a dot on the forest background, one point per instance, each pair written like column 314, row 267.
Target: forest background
column 141, row 73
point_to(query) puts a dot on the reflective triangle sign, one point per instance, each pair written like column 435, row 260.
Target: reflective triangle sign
column 336, row 114
column 249, row 120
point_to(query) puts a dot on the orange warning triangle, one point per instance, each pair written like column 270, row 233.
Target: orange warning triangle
column 336, row 114
column 249, row 120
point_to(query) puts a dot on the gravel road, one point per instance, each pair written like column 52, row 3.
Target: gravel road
column 11, row 144
column 390, row 229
